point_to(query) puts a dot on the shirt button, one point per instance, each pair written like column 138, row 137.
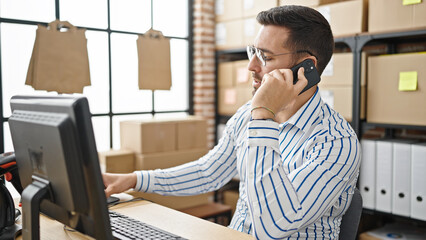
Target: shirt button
column 253, row 132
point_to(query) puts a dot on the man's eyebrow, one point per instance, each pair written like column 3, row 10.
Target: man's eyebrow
column 265, row 50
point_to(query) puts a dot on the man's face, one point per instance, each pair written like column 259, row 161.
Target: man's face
column 270, row 40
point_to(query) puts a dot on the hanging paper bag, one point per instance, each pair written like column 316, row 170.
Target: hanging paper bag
column 59, row 61
column 154, row 61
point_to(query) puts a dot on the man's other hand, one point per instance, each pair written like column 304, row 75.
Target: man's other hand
column 117, row 183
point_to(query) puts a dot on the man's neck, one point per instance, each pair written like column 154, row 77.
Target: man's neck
column 288, row 112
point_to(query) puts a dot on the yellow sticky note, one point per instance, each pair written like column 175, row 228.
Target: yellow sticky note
column 407, row 81
column 409, row 2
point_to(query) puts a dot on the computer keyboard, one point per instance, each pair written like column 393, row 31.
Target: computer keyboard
column 124, row 227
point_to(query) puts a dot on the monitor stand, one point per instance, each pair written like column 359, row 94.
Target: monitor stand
column 8, row 228
column 32, row 196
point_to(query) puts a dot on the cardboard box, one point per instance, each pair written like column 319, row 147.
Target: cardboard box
column 230, row 198
column 148, row 136
column 386, row 103
column 337, row 81
column 229, row 34
column 228, row 10
column 230, row 99
column 347, row 17
column 392, row 15
column 242, row 75
column 191, row 133
column 225, row 77
column 176, row 202
column 167, row 159
column 307, row 3
column 340, row 99
column 251, row 29
column 117, row 161
column 252, row 7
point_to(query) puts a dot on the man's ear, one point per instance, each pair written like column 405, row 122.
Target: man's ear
column 314, row 59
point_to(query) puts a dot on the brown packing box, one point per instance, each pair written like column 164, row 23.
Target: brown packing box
column 229, row 34
column 241, row 73
column 176, row 202
column 392, row 15
column 230, row 198
column 308, row 3
column 148, row 136
column 191, row 133
column 230, row 99
column 385, row 103
column 337, row 81
column 347, row 17
column 228, row 10
column 167, row 159
column 251, row 28
column 341, row 98
column 225, row 75
column 252, row 7
column 117, row 161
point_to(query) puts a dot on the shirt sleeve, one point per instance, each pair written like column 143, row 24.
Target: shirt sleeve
column 280, row 202
column 206, row 174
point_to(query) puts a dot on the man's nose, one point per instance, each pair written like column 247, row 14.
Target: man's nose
column 254, row 64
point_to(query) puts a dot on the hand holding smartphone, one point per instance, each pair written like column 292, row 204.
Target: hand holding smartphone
column 311, row 73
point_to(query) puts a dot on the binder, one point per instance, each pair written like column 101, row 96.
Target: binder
column 367, row 177
column 401, row 181
column 384, row 159
column 418, row 181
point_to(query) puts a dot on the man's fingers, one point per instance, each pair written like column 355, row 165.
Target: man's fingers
column 302, row 82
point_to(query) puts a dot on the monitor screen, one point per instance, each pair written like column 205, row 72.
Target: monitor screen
column 55, row 148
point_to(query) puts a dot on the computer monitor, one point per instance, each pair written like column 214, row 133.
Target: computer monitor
column 58, row 164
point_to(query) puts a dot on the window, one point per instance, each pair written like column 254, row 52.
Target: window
column 112, row 27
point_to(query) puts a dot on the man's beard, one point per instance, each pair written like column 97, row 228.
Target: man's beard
column 255, row 77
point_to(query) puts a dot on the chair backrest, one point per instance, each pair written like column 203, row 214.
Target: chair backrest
column 350, row 221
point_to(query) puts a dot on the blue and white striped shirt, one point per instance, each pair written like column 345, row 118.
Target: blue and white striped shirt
column 296, row 178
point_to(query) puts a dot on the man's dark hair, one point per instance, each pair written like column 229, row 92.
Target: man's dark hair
column 309, row 30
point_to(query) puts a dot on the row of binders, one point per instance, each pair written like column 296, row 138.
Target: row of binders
column 393, row 176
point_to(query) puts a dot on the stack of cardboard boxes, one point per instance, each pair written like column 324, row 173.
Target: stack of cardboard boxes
column 158, row 144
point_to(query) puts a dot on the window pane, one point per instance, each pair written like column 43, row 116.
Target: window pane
column 98, row 92
column 171, row 17
column 116, row 126
column 40, row 10
column 101, row 131
column 131, row 15
column 8, row 145
column 126, row 96
column 16, row 48
column 177, row 97
column 84, row 13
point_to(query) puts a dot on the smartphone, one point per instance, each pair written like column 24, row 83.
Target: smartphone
column 311, row 73
column 112, row 200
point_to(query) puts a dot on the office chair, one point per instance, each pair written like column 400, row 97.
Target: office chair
column 350, row 221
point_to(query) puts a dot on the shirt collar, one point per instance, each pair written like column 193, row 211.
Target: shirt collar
column 307, row 114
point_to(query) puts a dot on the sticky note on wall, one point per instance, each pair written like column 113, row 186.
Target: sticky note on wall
column 409, row 2
column 407, row 81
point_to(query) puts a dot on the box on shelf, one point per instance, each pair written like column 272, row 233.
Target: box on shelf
column 176, row 202
column 347, row 17
column 230, row 99
column 191, row 133
column 117, row 161
column 393, row 15
column 148, row 136
column 167, row 159
column 307, row 3
column 337, row 81
column 251, row 28
column 226, row 10
column 397, row 89
column 229, row 34
column 252, row 7
column 242, row 75
column 225, row 76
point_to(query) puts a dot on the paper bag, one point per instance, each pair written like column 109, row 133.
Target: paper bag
column 154, row 61
column 60, row 60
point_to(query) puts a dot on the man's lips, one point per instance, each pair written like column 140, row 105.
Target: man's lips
column 256, row 83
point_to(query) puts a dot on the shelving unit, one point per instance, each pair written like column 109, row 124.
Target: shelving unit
column 356, row 44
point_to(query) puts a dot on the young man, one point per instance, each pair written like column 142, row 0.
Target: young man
column 297, row 159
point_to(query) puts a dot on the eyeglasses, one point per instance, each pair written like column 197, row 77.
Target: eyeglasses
column 252, row 50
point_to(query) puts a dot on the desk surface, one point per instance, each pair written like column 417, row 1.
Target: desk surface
column 165, row 218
